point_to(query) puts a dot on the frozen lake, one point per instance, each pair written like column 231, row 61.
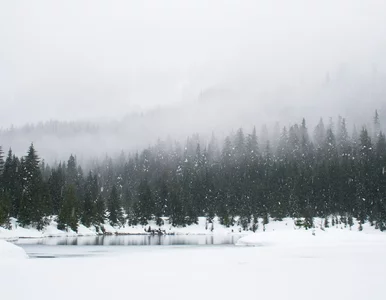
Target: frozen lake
column 326, row 266
column 107, row 245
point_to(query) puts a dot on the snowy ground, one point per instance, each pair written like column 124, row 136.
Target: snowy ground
column 286, row 265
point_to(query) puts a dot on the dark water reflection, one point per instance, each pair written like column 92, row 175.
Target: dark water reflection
column 80, row 247
column 134, row 240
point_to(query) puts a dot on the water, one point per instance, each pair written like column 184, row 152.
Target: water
column 104, row 245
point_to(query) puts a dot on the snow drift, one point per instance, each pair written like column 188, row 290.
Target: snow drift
column 11, row 251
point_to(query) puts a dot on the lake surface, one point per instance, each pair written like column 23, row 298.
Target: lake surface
column 62, row 247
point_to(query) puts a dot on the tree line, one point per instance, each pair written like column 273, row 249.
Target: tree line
column 294, row 173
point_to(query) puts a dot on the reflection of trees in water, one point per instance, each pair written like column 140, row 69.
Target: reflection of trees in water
column 138, row 240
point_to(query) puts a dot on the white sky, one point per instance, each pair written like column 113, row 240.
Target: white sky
column 79, row 59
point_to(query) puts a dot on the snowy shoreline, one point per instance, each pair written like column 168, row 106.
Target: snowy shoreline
column 50, row 231
column 202, row 228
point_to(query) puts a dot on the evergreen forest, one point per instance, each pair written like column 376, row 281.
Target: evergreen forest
column 293, row 172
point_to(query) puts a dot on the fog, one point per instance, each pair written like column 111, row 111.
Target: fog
column 143, row 70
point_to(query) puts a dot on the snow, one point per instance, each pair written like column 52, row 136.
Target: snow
column 10, row 251
column 50, row 230
column 202, row 228
column 310, row 238
column 286, row 233
column 335, row 268
column 287, row 263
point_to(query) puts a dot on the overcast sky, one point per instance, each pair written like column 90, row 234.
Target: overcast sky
column 79, row 59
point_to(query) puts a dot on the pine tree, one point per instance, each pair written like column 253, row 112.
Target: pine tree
column 114, row 207
column 282, row 150
column 377, row 126
column 343, row 142
column 5, row 208
column 90, row 196
column 319, row 135
column 365, row 183
column 144, row 205
column 56, row 185
column 294, row 142
column 71, row 171
column 252, row 147
column 32, row 209
column 239, row 149
column 176, row 211
column 380, row 183
column 68, row 215
column 161, row 200
column 264, row 137
column 11, row 182
column 213, row 150
column 100, row 210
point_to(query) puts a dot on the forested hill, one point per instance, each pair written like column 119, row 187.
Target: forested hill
column 299, row 173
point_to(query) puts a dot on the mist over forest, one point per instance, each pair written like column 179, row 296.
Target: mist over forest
column 106, row 78
column 218, row 110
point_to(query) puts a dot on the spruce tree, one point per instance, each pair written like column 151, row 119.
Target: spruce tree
column 68, row 215
column 100, row 210
column 319, row 135
column 144, row 205
column 56, row 185
column 11, row 182
column 88, row 209
column 5, row 208
column 32, row 210
column 114, row 207
column 376, row 126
